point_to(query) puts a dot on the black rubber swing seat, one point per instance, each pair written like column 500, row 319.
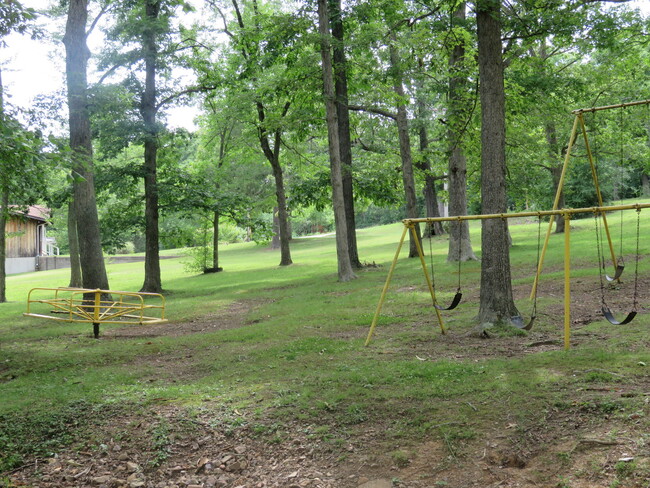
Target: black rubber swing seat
column 518, row 321
column 610, row 317
column 617, row 273
column 454, row 303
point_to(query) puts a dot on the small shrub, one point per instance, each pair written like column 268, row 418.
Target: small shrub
column 624, row 469
column 160, row 443
column 400, row 458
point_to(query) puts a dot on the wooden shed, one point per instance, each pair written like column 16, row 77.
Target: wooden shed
column 25, row 232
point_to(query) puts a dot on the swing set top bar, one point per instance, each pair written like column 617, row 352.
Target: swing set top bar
column 562, row 211
column 610, row 107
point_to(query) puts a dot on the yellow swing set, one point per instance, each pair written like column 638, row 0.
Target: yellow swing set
column 566, row 213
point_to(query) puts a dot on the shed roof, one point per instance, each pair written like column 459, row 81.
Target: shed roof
column 34, row 212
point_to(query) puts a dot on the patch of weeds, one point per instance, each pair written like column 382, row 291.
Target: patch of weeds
column 41, row 433
column 401, row 458
column 265, row 429
column 160, row 443
column 564, row 458
column 327, row 406
column 563, row 483
column 624, row 469
column 354, row 414
column 601, row 377
column 322, row 432
column 601, row 407
column 227, row 421
column 6, row 482
column 338, row 442
column 506, row 330
column 276, row 439
column 562, row 405
column 452, row 436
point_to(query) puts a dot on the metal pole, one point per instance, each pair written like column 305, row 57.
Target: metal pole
column 383, row 292
column 426, row 275
column 556, row 203
column 96, row 313
column 594, row 176
column 567, row 281
column 514, row 215
column 610, row 107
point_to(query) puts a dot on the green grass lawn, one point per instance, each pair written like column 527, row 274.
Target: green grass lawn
column 297, row 353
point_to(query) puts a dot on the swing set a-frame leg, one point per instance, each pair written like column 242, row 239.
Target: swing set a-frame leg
column 432, row 292
column 382, row 298
column 578, row 122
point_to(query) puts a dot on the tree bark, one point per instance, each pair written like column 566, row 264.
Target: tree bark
column 283, row 214
column 76, row 280
column 460, row 244
column 215, row 240
column 343, row 113
column 4, row 213
column 404, row 142
column 424, row 165
column 152, row 280
column 273, row 157
column 645, row 184
column 345, row 271
column 275, row 239
column 90, row 248
column 496, row 303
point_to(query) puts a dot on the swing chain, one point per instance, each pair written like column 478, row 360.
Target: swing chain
column 459, row 245
column 601, row 261
column 539, row 236
column 433, row 278
column 605, row 309
column 636, row 260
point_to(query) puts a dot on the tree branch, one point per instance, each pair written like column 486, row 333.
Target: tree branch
column 225, row 23
column 104, row 9
column 187, row 91
column 373, row 110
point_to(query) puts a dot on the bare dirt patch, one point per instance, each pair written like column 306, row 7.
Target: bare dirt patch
column 166, row 447
column 232, row 317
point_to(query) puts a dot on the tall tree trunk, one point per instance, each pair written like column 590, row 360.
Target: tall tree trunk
column 273, row 157
column 497, row 304
column 345, row 271
column 76, row 280
column 404, row 142
column 460, row 244
column 4, row 213
column 645, row 184
column 215, row 242
column 424, row 165
column 152, row 280
column 77, row 53
column 283, row 215
column 343, row 114
column 275, row 239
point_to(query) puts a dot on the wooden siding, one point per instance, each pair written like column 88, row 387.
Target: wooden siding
column 21, row 238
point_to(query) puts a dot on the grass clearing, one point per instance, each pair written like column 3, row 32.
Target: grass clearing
column 276, row 354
